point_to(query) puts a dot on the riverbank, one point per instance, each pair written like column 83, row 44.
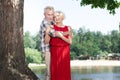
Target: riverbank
column 80, row 63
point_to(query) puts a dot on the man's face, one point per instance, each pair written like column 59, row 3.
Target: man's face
column 49, row 15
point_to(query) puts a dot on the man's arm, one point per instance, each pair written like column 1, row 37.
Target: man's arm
column 47, row 36
column 58, row 34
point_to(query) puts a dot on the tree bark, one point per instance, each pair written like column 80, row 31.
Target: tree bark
column 12, row 55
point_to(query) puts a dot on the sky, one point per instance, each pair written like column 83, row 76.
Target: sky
column 75, row 16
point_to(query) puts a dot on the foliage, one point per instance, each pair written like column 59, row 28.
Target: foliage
column 28, row 40
column 94, row 43
column 32, row 55
column 110, row 5
column 37, row 41
column 85, row 42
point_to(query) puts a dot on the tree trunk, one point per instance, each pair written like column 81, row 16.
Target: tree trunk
column 12, row 56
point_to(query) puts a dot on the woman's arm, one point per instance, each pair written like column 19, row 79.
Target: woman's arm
column 69, row 39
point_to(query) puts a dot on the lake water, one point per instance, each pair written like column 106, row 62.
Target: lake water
column 90, row 73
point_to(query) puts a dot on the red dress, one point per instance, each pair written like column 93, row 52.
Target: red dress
column 60, row 57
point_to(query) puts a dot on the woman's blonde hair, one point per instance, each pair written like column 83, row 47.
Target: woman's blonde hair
column 61, row 13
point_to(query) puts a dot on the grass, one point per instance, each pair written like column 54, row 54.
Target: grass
column 37, row 68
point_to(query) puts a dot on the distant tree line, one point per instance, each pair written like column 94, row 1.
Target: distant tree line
column 85, row 43
column 92, row 44
column 32, row 50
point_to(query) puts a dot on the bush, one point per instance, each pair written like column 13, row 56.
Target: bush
column 32, row 55
column 73, row 55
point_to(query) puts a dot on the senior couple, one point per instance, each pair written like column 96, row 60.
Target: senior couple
column 55, row 40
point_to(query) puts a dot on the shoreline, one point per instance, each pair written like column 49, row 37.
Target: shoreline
column 85, row 63
column 80, row 63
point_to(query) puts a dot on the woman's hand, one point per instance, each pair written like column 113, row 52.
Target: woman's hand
column 58, row 34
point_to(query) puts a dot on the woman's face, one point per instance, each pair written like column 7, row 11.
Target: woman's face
column 58, row 17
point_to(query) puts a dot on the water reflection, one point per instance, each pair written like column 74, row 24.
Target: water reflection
column 90, row 73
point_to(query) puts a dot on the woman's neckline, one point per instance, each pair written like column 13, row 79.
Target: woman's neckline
column 62, row 26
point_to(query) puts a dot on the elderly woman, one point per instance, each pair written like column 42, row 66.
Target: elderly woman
column 60, row 49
